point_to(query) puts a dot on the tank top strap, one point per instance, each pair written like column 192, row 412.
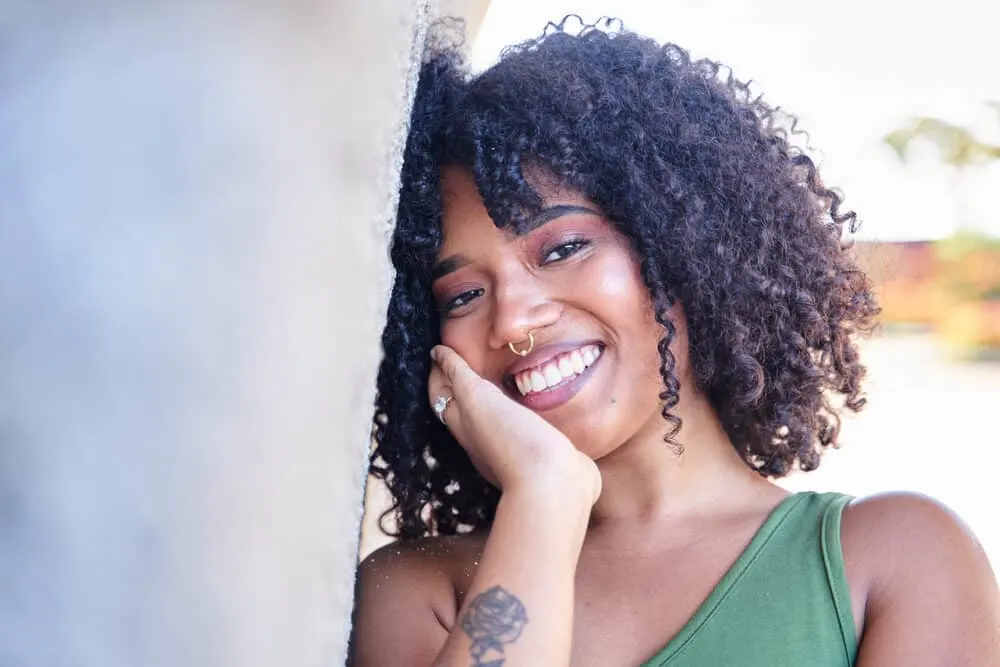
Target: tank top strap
column 836, row 572
column 784, row 601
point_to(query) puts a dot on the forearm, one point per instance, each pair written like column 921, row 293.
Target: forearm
column 520, row 605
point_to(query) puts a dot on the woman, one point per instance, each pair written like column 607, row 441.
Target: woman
column 622, row 307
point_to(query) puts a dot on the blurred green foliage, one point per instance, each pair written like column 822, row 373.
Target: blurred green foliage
column 957, row 146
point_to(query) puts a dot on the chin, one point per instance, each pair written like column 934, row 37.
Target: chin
column 583, row 438
column 598, row 452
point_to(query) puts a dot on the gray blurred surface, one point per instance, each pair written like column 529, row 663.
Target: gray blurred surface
column 194, row 198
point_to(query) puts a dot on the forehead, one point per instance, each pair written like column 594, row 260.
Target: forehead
column 464, row 218
column 460, row 197
column 464, row 211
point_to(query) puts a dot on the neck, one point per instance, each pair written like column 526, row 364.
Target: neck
column 647, row 480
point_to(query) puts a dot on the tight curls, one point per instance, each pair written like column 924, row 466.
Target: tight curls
column 726, row 217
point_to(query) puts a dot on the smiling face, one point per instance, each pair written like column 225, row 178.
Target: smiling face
column 573, row 283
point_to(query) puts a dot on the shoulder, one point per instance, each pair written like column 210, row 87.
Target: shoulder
column 894, row 533
column 406, row 598
column 928, row 589
column 429, row 569
column 907, row 516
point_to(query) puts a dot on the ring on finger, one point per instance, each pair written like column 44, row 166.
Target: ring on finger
column 440, row 405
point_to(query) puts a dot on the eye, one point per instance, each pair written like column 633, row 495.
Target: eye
column 462, row 299
column 565, row 250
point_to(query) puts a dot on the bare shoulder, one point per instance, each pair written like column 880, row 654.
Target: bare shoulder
column 894, row 533
column 430, row 568
column 405, row 598
column 930, row 596
column 900, row 519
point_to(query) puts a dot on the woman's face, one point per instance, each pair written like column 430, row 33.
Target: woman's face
column 572, row 282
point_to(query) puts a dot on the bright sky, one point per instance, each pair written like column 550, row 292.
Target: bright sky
column 851, row 71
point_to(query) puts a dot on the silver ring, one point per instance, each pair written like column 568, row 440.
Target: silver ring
column 440, row 405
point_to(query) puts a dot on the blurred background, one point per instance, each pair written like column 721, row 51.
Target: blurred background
column 903, row 115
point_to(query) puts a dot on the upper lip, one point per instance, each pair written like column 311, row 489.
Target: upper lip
column 546, row 352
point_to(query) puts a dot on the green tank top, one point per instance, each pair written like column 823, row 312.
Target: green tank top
column 784, row 603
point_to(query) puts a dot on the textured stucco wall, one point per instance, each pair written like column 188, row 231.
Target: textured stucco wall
column 377, row 498
column 193, row 207
column 473, row 12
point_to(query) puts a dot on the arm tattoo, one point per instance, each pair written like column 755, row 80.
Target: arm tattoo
column 495, row 617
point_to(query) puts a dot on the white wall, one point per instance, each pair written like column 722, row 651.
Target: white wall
column 193, row 206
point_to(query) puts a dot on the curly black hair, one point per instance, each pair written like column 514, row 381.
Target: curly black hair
column 726, row 216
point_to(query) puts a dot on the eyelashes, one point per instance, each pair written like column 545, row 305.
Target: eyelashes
column 462, row 299
column 553, row 255
column 565, row 250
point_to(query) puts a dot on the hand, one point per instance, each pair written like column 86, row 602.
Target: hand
column 509, row 444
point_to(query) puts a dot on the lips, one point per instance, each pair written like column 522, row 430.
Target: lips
column 561, row 368
column 553, row 374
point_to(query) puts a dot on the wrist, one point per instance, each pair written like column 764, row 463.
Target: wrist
column 553, row 519
column 565, row 490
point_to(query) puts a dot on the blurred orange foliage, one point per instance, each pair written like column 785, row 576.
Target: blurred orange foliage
column 952, row 286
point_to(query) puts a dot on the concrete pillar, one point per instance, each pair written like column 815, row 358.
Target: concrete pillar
column 194, row 201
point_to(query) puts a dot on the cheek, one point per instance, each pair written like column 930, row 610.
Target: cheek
column 463, row 335
column 618, row 284
column 618, row 278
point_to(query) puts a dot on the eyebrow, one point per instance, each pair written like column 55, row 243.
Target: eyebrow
column 448, row 265
column 557, row 211
column 453, row 263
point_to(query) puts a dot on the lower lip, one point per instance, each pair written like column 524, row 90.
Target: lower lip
column 553, row 398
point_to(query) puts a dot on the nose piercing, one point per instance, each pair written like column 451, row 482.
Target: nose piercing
column 525, row 352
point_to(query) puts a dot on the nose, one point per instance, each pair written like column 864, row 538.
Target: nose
column 521, row 304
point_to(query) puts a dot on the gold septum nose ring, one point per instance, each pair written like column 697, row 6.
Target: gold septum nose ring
column 524, row 351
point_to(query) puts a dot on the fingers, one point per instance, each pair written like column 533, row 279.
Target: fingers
column 452, row 377
column 447, row 360
column 457, row 373
column 448, row 379
column 437, row 387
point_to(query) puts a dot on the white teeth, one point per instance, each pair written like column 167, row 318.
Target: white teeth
column 557, row 371
column 552, row 375
column 537, row 381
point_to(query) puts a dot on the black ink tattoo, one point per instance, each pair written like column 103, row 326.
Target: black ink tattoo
column 495, row 617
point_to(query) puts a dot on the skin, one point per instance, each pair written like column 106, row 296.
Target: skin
column 591, row 485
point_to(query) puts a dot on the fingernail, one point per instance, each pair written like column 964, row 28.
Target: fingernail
column 434, row 353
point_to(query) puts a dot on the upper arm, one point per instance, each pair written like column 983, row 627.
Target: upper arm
column 395, row 617
column 932, row 598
